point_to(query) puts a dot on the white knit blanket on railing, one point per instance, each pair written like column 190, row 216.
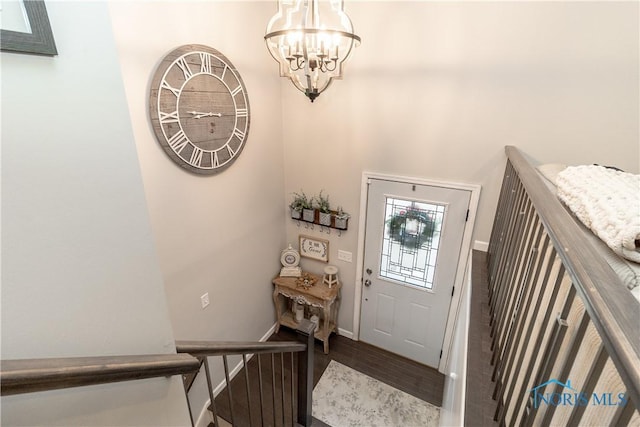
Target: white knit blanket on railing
column 608, row 202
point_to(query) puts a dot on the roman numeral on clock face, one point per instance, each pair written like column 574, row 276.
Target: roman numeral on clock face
column 242, row 112
column 178, row 141
column 167, row 86
column 238, row 133
column 186, row 71
column 205, row 63
column 196, row 157
column 236, row 90
column 169, row 117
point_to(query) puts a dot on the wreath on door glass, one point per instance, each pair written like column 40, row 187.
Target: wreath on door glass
column 411, row 228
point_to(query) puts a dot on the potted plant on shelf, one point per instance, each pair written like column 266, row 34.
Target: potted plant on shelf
column 341, row 219
column 300, row 202
column 322, row 203
column 306, row 205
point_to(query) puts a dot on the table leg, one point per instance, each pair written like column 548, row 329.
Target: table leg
column 276, row 303
column 327, row 329
column 336, row 308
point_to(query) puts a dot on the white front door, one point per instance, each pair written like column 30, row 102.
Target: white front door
column 412, row 248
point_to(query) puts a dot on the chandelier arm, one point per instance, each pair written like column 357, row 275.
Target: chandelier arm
column 299, row 64
column 326, row 65
column 313, row 31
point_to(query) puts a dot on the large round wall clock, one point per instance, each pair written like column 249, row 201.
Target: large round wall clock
column 199, row 109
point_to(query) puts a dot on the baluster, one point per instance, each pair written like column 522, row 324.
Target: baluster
column 551, row 353
column 261, row 394
column 568, row 364
column 293, row 395
column 186, row 394
column 553, row 266
column 504, row 366
column 592, row 379
column 623, row 414
column 226, row 376
column 282, row 383
column 210, row 386
column 273, row 388
column 305, row 372
column 246, row 379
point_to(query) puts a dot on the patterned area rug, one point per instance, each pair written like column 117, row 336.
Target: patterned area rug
column 345, row 397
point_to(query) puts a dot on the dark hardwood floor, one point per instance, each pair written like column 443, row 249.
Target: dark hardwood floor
column 411, row 377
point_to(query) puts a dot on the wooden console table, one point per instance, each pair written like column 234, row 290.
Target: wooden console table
column 318, row 295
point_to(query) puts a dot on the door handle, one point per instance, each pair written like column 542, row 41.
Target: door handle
column 367, row 283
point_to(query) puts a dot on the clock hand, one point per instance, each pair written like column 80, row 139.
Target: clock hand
column 199, row 115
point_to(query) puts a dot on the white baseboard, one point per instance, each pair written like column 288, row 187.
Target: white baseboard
column 205, row 416
column 345, row 333
column 479, row 245
column 270, row 332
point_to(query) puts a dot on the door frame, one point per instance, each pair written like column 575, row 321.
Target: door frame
column 465, row 250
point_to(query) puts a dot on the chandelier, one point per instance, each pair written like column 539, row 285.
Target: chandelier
column 310, row 40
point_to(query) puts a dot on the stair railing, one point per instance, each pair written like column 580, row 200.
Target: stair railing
column 559, row 315
column 35, row 375
column 303, row 348
column 32, row 375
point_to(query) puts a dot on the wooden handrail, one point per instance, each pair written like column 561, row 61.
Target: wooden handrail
column 219, row 348
column 31, row 375
column 612, row 309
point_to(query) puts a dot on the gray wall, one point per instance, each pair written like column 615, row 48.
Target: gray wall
column 219, row 234
column 80, row 274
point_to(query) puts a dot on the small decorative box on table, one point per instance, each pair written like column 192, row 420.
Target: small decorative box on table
column 319, row 295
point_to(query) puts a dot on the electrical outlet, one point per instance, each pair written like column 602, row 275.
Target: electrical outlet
column 345, row 256
column 204, row 300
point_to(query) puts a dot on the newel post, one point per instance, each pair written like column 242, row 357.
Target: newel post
column 305, row 372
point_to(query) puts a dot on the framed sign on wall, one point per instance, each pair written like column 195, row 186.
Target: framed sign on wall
column 32, row 36
column 311, row 247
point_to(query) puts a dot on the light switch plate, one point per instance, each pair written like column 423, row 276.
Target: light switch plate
column 345, row 256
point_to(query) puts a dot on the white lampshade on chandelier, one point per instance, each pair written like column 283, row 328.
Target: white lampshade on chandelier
column 311, row 39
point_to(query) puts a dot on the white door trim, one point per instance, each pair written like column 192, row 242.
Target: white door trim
column 462, row 262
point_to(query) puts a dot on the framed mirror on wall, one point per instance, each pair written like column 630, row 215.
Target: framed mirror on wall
column 26, row 28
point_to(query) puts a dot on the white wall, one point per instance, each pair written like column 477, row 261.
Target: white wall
column 80, row 276
column 437, row 89
column 219, row 234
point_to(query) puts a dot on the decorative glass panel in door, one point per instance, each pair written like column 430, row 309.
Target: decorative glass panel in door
column 411, row 241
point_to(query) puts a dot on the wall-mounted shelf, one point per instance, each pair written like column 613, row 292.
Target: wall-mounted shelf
column 315, row 217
